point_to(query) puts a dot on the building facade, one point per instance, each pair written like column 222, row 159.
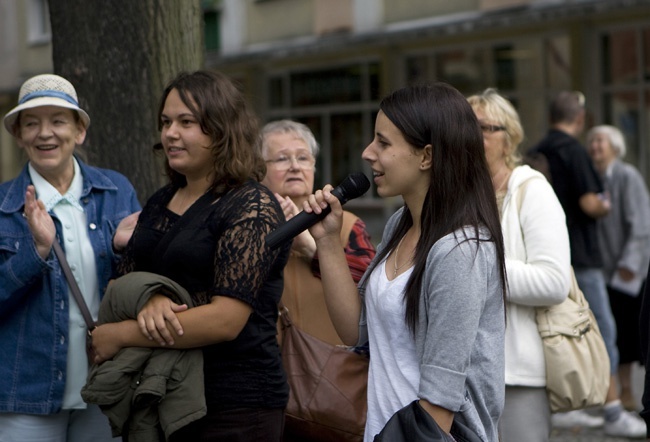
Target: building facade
column 328, row 63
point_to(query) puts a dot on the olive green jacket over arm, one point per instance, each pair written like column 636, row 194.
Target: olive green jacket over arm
column 144, row 391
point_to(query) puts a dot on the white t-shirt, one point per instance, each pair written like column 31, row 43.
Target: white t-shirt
column 394, row 375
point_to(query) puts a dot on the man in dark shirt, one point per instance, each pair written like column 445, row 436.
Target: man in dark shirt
column 580, row 191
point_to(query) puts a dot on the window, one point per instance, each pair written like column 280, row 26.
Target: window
column 332, row 86
column 38, row 22
column 620, row 57
column 526, row 71
column 211, row 30
column 466, row 69
column 212, row 23
column 624, row 85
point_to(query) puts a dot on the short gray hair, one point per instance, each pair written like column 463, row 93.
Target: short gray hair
column 290, row 127
column 615, row 136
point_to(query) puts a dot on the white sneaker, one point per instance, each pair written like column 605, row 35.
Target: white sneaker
column 576, row 418
column 627, row 425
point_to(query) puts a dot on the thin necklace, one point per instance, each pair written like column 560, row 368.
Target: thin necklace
column 504, row 181
column 395, row 268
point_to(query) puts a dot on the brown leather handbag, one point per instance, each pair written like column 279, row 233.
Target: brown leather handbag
column 328, row 384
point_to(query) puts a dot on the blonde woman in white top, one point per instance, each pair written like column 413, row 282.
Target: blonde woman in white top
column 537, row 263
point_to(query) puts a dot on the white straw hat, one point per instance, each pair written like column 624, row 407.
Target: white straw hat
column 46, row 90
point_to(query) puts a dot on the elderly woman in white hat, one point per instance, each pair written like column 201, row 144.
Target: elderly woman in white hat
column 56, row 197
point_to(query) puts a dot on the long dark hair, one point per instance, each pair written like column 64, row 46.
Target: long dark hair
column 223, row 114
column 460, row 192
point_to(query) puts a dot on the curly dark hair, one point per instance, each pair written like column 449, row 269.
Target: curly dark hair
column 224, row 115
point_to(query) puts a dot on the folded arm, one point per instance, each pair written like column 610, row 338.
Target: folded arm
column 220, row 320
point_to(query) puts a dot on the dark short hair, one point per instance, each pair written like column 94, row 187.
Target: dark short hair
column 566, row 107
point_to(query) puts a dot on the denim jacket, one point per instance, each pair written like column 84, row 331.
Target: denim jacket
column 34, row 292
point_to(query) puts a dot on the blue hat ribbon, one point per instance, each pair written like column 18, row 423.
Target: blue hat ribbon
column 48, row 93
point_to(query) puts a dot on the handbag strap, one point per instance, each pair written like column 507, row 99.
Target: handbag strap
column 283, row 312
column 521, row 192
column 74, row 288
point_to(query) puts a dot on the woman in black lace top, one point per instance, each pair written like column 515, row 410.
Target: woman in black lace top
column 206, row 230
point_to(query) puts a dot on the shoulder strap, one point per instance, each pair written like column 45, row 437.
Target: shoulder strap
column 522, row 191
column 74, row 288
column 283, row 313
column 575, row 294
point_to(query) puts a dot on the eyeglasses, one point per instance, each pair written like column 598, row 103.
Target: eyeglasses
column 491, row 128
column 284, row 162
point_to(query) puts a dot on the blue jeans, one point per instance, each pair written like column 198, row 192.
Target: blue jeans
column 88, row 425
column 592, row 283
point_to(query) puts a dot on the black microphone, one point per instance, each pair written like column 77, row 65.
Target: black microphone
column 352, row 187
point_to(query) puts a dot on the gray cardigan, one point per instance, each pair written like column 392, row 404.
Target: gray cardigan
column 461, row 329
column 146, row 388
column 624, row 234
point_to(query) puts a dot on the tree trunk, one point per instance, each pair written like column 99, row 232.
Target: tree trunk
column 119, row 54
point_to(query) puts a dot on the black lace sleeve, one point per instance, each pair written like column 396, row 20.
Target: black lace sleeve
column 127, row 262
column 242, row 261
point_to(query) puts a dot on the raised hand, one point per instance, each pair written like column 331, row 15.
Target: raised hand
column 303, row 243
column 124, row 231
column 331, row 224
column 40, row 223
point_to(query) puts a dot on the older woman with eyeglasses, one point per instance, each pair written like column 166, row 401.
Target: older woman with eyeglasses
column 537, row 263
column 290, row 151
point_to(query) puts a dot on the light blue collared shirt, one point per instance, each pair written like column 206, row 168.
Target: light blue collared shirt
column 81, row 258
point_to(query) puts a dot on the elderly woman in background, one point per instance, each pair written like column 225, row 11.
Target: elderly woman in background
column 290, row 151
column 624, row 237
column 537, row 263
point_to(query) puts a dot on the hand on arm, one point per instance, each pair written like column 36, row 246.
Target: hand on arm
column 40, row 223
column 155, row 317
column 171, row 324
column 221, row 320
